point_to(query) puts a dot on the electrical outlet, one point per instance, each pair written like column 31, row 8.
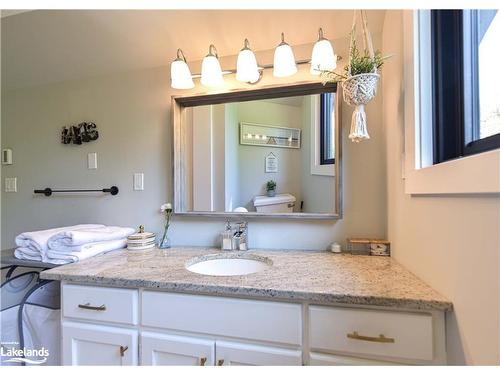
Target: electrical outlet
column 11, row 184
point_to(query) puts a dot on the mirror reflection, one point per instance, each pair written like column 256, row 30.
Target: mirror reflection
column 269, row 156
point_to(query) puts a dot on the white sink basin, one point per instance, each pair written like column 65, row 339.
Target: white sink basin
column 228, row 264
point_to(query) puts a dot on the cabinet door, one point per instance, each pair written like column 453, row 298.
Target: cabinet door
column 239, row 354
column 162, row 350
column 319, row 359
column 95, row 345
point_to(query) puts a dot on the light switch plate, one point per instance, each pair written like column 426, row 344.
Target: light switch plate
column 138, row 181
column 11, row 184
column 92, row 160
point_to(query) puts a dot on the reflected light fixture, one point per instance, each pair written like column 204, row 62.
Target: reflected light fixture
column 180, row 75
column 323, row 57
column 246, row 65
column 211, row 72
column 284, row 60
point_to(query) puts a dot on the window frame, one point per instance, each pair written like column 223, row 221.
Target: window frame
column 327, row 101
column 477, row 174
column 454, row 61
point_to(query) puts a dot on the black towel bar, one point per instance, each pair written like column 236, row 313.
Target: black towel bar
column 113, row 190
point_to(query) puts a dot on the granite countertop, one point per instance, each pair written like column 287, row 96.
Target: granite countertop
column 312, row 276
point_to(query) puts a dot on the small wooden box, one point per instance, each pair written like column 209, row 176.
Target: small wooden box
column 367, row 246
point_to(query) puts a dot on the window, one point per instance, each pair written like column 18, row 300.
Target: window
column 327, row 128
column 465, row 82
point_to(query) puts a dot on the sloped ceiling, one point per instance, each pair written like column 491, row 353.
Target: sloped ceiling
column 46, row 46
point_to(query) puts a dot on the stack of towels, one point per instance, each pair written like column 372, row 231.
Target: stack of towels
column 70, row 244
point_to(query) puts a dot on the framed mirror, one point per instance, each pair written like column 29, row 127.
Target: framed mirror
column 268, row 152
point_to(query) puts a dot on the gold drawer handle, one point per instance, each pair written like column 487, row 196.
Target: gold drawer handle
column 380, row 338
column 220, row 362
column 123, row 349
column 203, row 361
column 88, row 306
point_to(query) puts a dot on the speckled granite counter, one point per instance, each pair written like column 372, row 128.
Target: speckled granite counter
column 313, row 276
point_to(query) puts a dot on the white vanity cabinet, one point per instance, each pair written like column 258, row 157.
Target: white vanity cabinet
column 92, row 344
column 242, row 354
column 159, row 349
column 320, row 359
column 120, row 326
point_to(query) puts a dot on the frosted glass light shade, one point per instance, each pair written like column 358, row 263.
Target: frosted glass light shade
column 323, row 57
column 211, row 72
column 180, row 75
column 246, row 66
column 284, row 60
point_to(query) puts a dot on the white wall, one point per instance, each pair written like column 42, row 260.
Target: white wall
column 231, row 188
column 203, row 160
column 315, row 188
column 252, row 175
column 132, row 111
column 451, row 242
column 219, row 156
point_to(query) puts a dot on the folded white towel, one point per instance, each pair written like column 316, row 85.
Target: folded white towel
column 91, row 250
column 37, row 240
column 28, row 254
column 78, row 248
column 76, row 237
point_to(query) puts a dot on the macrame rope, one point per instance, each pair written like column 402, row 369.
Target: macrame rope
column 359, row 89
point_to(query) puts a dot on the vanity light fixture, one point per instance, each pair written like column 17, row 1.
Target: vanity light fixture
column 246, row 65
column 211, row 72
column 247, row 70
column 284, row 60
column 180, row 75
column 323, row 58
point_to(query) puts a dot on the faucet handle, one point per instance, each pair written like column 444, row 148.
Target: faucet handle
column 242, row 226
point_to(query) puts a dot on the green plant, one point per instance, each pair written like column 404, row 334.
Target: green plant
column 271, row 185
column 359, row 63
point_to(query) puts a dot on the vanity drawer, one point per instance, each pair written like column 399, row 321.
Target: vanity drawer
column 255, row 320
column 358, row 332
column 101, row 304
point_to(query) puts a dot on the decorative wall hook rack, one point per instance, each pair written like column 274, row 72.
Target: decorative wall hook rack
column 113, row 190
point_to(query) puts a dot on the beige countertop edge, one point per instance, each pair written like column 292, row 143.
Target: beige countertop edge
column 316, row 277
column 265, row 294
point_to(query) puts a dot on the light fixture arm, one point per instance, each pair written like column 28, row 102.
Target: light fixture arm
column 264, row 67
column 180, row 56
column 212, row 51
column 282, row 40
column 246, row 45
column 320, row 34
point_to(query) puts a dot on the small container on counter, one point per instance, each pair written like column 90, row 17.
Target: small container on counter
column 367, row 246
column 335, row 248
column 227, row 238
column 141, row 240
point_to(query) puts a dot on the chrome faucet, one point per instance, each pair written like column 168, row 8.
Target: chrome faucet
column 235, row 237
column 240, row 237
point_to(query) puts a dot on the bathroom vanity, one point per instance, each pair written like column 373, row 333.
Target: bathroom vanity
column 303, row 308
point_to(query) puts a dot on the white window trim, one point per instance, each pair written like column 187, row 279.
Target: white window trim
column 316, row 167
column 473, row 174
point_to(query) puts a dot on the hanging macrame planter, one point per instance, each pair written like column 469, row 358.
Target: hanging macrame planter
column 359, row 89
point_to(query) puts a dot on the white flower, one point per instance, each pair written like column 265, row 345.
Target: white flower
column 166, row 206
